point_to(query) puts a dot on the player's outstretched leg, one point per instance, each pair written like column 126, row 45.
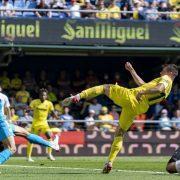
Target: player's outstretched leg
column 173, row 166
column 115, row 148
column 87, row 94
column 35, row 139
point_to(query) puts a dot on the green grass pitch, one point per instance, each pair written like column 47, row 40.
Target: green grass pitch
column 86, row 168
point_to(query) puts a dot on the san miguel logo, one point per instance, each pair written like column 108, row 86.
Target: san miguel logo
column 19, row 30
column 176, row 35
column 105, row 30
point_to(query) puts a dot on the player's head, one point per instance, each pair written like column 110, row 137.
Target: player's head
column 43, row 94
column 170, row 70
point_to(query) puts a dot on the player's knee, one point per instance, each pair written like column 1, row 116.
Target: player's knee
column 170, row 168
column 116, row 147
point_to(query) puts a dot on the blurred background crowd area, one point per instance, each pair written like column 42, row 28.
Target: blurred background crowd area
column 107, row 9
column 23, row 87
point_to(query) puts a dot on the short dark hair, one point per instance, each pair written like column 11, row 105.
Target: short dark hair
column 172, row 68
column 43, row 90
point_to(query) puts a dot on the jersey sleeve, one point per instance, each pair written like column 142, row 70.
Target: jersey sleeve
column 6, row 104
column 32, row 105
column 164, row 80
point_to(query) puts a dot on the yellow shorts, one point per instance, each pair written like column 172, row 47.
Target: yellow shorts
column 37, row 129
column 121, row 96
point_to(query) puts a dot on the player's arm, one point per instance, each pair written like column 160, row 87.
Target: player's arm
column 52, row 111
column 32, row 105
column 53, row 114
column 135, row 76
column 160, row 88
column 8, row 113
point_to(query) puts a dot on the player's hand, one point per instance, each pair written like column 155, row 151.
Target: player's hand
column 128, row 66
column 71, row 99
column 139, row 95
column 76, row 98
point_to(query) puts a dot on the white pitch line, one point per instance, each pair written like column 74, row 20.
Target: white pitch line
column 52, row 167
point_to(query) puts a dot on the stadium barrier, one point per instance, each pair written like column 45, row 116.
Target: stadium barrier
column 101, row 121
column 81, row 10
column 89, row 32
column 84, row 11
column 96, row 143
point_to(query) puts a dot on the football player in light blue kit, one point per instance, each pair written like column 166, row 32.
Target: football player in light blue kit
column 6, row 136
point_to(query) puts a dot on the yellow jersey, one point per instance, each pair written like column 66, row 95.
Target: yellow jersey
column 173, row 2
column 106, row 117
column 41, row 111
column 115, row 12
column 24, row 94
column 5, row 82
column 16, row 83
column 14, row 118
column 103, row 14
column 158, row 97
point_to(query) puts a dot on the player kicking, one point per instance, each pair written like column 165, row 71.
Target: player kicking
column 173, row 166
column 133, row 101
column 41, row 108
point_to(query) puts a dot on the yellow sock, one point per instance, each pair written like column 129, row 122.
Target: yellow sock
column 115, row 148
column 49, row 150
column 92, row 92
column 29, row 149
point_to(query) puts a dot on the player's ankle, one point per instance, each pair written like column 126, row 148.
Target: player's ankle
column 110, row 162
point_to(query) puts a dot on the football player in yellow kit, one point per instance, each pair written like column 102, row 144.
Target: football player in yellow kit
column 41, row 109
column 133, row 101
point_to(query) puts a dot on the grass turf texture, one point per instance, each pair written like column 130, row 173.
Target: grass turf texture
column 86, row 168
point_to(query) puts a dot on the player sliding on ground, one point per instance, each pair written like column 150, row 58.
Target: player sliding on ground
column 133, row 101
column 173, row 166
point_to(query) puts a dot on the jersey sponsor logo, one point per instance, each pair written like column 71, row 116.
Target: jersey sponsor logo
column 42, row 109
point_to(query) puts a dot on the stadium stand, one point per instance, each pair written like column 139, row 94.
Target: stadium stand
column 112, row 9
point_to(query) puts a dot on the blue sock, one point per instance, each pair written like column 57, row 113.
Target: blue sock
column 38, row 140
column 5, row 155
